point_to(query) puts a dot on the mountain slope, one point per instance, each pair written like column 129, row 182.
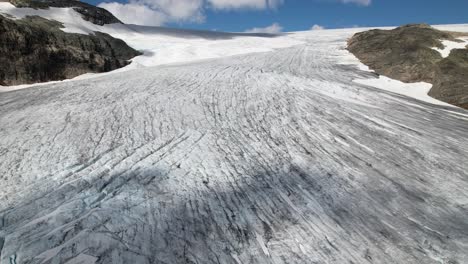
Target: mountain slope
column 37, row 50
column 93, row 14
column 273, row 157
column 451, row 82
column 411, row 53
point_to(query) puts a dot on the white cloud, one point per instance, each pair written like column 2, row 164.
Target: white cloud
column 183, row 10
column 244, row 4
column 157, row 12
column 317, row 27
column 135, row 14
column 275, row 28
column 359, row 2
column 160, row 12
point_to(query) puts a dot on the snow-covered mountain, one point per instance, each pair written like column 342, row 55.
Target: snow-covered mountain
column 231, row 148
column 35, row 49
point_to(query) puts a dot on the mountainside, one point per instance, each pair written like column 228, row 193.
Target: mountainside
column 38, row 50
column 451, row 80
column 89, row 12
column 274, row 156
column 408, row 54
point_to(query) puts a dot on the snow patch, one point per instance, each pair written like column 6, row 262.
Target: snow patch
column 456, row 27
column 450, row 45
column 418, row 90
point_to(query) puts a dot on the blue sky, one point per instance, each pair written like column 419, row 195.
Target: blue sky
column 285, row 15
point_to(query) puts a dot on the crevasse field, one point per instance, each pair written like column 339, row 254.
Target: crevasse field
column 231, row 148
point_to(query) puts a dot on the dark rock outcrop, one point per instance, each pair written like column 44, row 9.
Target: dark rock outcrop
column 451, row 82
column 2, row 242
column 93, row 14
column 406, row 54
column 36, row 50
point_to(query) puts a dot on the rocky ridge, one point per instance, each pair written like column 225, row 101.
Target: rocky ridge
column 407, row 54
column 93, row 14
column 37, row 50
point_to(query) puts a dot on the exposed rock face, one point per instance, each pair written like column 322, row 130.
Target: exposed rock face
column 89, row 12
column 451, row 82
column 36, row 50
column 406, row 54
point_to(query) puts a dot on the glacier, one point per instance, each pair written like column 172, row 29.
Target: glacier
column 273, row 156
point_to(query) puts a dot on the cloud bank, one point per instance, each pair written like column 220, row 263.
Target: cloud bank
column 358, row 2
column 157, row 12
column 275, row 28
column 317, row 27
column 244, row 4
column 160, row 12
